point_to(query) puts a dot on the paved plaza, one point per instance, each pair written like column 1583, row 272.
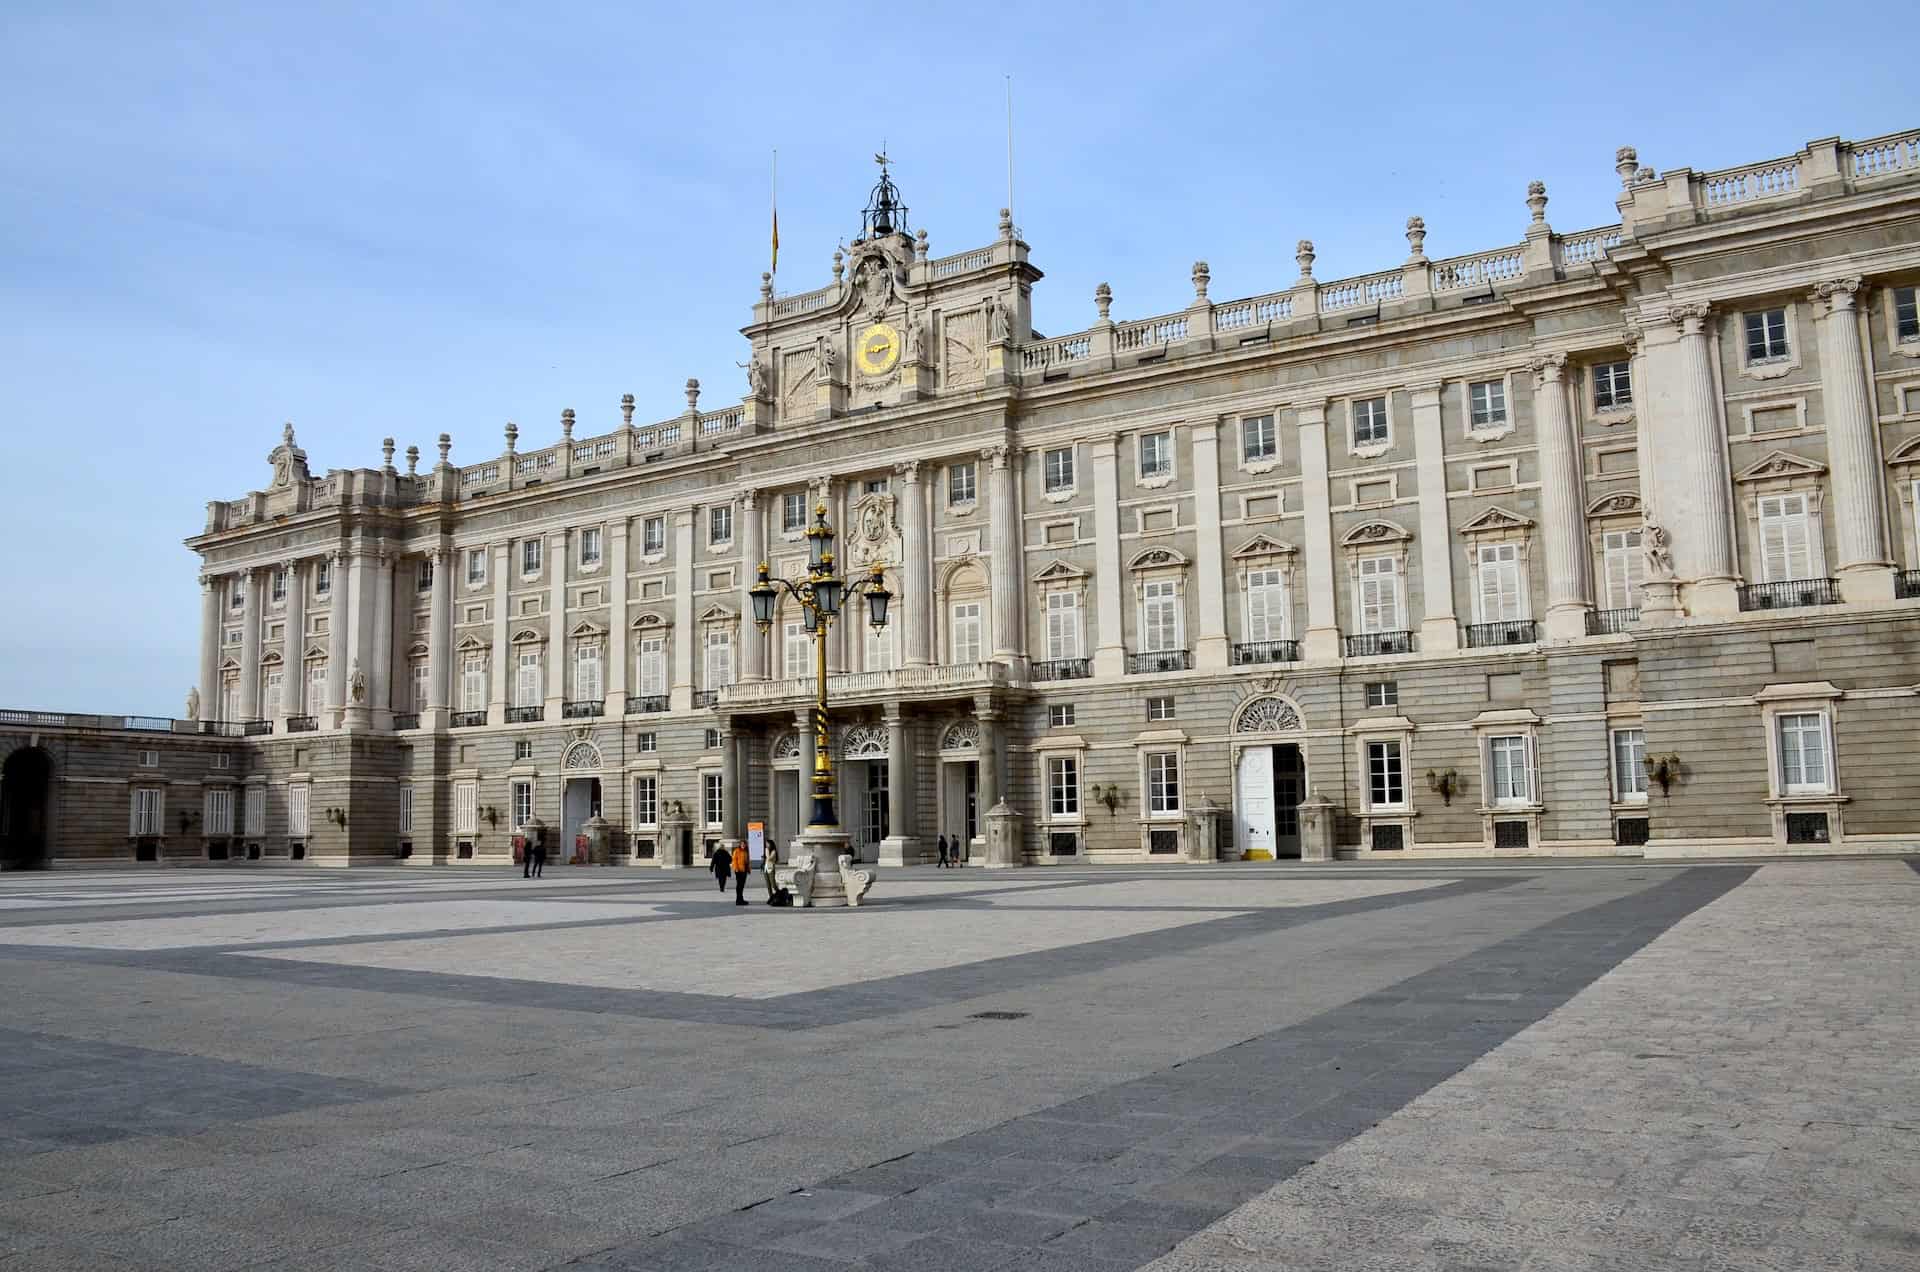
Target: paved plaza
column 1492, row 1065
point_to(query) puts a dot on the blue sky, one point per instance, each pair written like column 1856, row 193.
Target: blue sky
column 412, row 218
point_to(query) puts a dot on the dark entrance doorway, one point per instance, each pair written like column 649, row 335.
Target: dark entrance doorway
column 23, row 809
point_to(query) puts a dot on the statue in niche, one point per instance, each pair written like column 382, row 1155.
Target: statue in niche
column 193, row 702
column 825, row 360
column 1659, row 549
column 916, row 344
column 996, row 321
column 357, row 683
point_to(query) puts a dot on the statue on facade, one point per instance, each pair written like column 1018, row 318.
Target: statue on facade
column 756, row 379
column 357, row 683
column 876, row 285
column 1659, row 549
column 825, row 360
column 996, row 321
column 193, row 702
column 916, row 344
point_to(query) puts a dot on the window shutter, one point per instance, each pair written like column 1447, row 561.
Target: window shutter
column 1533, row 787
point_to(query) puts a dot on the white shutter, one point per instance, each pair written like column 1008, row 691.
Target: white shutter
column 1625, row 568
column 1063, row 625
column 1499, row 578
column 1379, row 594
column 1266, row 606
column 1161, row 618
column 653, row 667
column 526, row 691
column 1786, row 550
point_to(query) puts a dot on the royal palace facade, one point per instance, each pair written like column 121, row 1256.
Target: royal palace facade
column 1599, row 542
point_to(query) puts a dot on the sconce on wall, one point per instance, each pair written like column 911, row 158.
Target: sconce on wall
column 1446, row 784
column 1664, row 769
column 1110, row 795
column 492, row 815
column 338, row 816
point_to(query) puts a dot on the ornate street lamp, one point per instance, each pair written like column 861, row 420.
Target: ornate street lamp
column 820, row 596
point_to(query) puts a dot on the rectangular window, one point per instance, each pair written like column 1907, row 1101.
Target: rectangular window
column 219, row 812
column 270, row 684
column 1498, row 595
column 253, row 811
column 406, row 810
column 522, row 804
column 1487, row 402
column 1803, row 754
column 473, row 685
column 1630, row 764
column 878, row 652
column 1059, row 715
column 529, row 557
column 1058, row 467
column 590, row 547
column 967, row 638
column 1383, row 693
column 719, row 657
column 1266, row 605
column 720, row 526
column 1509, row 776
column 1258, row 441
column 526, row 687
column 876, row 486
column 1370, row 422
column 712, row 802
column 793, row 511
column 278, row 591
column 522, row 749
column 145, row 817
column 466, row 808
column 316, row 685
column 646, row 743
column 1767, row 335
column 1159, row 617
column 796, row 649
column 223, row 761
column 646, row 801
column 421, row 676
column 1163, row 781
column 1612, row 386
column 1786, row 538
column 1906, row 313
column 298, row 825
column 1624, row 566
column 653, row 666
column 237, row 592
column 322, row 577
column 476, row 566
column 712, row 739
column 1063, row 786
column 423, row 575
column 1063, row 625
column 1156, row 455
column 1386, row 775
column 586, row 673
column 653, row 536
column 1160, row 708
column 962, row 483
column 1379, row 594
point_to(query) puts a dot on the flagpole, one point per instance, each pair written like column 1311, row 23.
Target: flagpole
column 1009, row 145
column 773, row 200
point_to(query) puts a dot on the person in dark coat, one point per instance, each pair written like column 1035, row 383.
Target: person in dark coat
column 539, row 852
column 721, row 866
column 943, row 850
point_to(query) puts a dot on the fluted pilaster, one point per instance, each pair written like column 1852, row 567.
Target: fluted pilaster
column 1863, row 565
column 1562, row 516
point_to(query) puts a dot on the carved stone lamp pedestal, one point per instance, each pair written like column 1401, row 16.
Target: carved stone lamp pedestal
column 822, row 874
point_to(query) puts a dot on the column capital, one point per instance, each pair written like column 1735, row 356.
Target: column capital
column 1690, row 317
column 1632, row 337
column 996, row 455
column 1426, row 392
column 1838, row 293
column 749, row 499
column 619, row 528
column 1548, row 368
column 894, row 712
column 908, row 471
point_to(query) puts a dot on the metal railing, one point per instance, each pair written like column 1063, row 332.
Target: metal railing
column 302, row 724
column 255, row 728
column 1789, row 594
column 526, row 715
column 1612, row 622
column 406, row 719
column 705, row 697
column 1368, row 644
column 1162, row 660
column 647, row 704
column 1061, row 669
column 585, row 709
column 467, row 719
column 1255, row 652
column 1511, row 632
column 1906, row 585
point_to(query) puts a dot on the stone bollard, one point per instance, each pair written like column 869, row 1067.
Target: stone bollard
column 1003, row 837
column 1316, row 828
column 1203, row 830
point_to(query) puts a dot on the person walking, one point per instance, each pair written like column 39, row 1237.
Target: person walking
column 526, row 856
column 539, row 851
column 740, row 865
column 720, row 864
column 943, row 851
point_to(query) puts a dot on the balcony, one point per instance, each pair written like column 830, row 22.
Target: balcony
column 406, row 720
column 705, row 698
column 1906, row 585
column 1158, row 661
column 302, row 724
column 1789, row 594
column 526, row 715
column 848, row 688
column 255, row 728
column 647, row 704
column 588, row 709
column 1612, row 622
column 467, row 719
column 1370, row 644
column 1060, row 669
column 1514, row 632
column 1256, row 653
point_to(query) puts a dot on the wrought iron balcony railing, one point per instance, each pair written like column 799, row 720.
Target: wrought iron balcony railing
column 647, row 704
column 1511, row 632
column 406, row 719
column 467, row 719
column 1367, row 644
column 1906, row 585
column 301, row 724
column 1612, row 622
column 705, row 697
column 585, row 709
column 1789, row 594
column 1254, row 652
column 1160, row 660
column 254, row 728
column 1061, row 669
column 526, row 715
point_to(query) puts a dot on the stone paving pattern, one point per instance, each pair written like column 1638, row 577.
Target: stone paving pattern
column 1461, row 1067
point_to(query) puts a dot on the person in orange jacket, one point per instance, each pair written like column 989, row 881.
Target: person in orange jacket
column 739, row 874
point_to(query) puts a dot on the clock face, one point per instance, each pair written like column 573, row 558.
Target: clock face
column 879, row 349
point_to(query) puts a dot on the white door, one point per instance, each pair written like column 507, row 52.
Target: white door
column 1253, row 802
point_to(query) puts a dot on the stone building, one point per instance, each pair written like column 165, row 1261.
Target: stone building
column 1596, row 542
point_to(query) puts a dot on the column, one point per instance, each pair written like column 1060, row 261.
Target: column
column 681, row 692
column 618, row 655
column 743, row 783
column 1110, row 644
column 440, row 638
column 1323, row 620
column 915, row 601
column 250, row 645
column 1439, row 627
column 834, row 494
column 211, row 588
column 293, row 650
column 1703, row 543
column 500, row 660
column 809, row 756
column 1862, row 563
column 1210, row 649
column 362, row 613
column 556, row 668
column 731, row 830
column 340, row 628
column 753, row 550
column 1007, row 584
column 901, row 846
column 989, row 790
column 380, row 675
column 1563, row 531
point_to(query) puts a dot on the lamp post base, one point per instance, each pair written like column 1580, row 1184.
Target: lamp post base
column 832, row 885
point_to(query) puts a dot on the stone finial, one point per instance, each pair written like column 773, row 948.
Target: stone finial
column 1303, row 253
column 1417, row 238
column 626, row 410
column 1006, row 223
column 839, row 265
column 1626, row 161
column 1645, row 174
column 566, row 424
column 513, row 436
column 1201, row 277
column 413, row 461
column 1103, row 300
column 1537, row 201
column 920, row 246
column 766, row 286
column 693, row 396
column 446, row 448
column 386, row 454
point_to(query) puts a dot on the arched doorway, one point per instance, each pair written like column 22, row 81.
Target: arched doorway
column 24, row 783
column 1270, row 779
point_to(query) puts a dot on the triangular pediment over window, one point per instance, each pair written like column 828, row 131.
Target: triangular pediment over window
column 471, row 644
column 528, row 636
column 1779, row 463
column 716, row 614
column 1263, row 545
column 586, row 628
column 1158, row 559
column 1058, row 571
column 1496, row 520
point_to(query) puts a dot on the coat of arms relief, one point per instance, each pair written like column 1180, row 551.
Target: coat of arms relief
column 872, row 533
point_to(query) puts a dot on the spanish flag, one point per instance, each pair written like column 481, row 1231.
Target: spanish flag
column 776, row 242
column 773, row 199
